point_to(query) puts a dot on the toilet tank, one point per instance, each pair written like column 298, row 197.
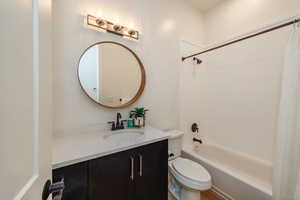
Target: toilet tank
column 175, row 143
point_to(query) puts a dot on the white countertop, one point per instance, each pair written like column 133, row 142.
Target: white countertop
column 74, row 148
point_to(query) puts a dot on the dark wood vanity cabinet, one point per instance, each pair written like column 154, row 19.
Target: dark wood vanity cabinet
column 110, row 177
column 75, row 179
column 151, row 181
column 136, row 174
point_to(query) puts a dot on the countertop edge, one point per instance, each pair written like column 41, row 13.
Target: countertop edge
column 105, row 153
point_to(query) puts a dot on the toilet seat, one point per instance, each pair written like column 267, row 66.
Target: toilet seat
column 190, row 174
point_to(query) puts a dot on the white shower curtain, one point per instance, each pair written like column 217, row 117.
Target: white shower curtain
column 286, row 181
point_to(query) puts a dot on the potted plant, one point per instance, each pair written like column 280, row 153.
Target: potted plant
column 139, row 116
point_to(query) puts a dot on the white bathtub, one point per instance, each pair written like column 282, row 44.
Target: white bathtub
column 238, row 176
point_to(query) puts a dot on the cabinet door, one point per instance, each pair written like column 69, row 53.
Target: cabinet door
column 110, row 177
column 76, row 181
column 152, row 172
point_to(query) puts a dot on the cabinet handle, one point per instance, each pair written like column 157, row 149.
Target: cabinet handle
column 141, row 165
column 132, row 168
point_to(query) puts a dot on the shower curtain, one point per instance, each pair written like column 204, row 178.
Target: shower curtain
column 286, row 179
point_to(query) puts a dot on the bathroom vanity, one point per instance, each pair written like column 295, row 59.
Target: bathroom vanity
column 127, row 164
column 96, row 167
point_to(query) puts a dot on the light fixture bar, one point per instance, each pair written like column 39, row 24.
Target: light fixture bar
column 105, row 25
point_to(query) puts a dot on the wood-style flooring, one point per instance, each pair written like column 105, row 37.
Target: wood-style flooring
column 208, row 195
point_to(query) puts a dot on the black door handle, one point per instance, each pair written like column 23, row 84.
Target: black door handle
column 56, row 188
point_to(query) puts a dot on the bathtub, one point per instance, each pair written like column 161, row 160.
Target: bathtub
column 235, row 175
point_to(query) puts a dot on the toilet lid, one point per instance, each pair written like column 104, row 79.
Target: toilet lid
column 191, row 170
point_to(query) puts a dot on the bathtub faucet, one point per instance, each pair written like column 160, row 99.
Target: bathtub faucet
column 197, row 140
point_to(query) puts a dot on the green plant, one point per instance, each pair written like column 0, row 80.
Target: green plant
column 138, row 112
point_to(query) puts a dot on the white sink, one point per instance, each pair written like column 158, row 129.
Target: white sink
column 123, row 136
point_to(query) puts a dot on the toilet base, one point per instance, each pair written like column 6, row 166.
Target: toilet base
column 187, row 194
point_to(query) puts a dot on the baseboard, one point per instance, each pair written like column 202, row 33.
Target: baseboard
column 220, row 194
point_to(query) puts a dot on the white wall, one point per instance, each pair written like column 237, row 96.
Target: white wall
column 234, row 17
column 17, row 124
column 234, row 94
column 26, row 107
column 163, row 23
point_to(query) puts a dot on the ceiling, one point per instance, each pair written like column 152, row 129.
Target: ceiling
column 204, row 5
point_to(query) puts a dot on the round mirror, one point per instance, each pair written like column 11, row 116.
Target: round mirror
column 111, row 74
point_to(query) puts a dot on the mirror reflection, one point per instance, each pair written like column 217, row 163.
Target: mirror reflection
column 111, row 74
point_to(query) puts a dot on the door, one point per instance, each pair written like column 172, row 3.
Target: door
column 25, row 102
column 152, row 172
column 112, row 177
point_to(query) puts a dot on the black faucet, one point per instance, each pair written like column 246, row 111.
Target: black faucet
column 118, row 124
column 197, row 140
column 113, row 125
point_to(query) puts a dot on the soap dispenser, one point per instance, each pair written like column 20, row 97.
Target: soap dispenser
column 130, row 123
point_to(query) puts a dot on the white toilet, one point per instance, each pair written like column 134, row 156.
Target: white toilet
column 188, row 177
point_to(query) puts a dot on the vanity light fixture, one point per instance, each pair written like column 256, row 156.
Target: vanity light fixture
column 102, row 23
column 105, row 25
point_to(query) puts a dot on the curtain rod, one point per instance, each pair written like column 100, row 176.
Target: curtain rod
column 244, row 38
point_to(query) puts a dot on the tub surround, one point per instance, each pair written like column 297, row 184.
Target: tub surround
column 75, row 148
